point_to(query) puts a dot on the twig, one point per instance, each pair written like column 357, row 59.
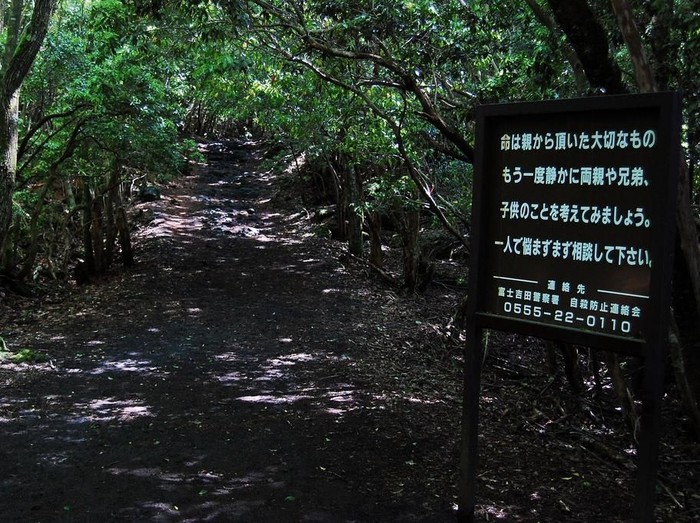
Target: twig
column 670, row 494
column 388, row 277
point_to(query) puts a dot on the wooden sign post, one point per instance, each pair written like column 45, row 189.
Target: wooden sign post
column 573, row 240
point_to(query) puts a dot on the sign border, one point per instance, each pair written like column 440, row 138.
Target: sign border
column 662, row 233
column 652, row 348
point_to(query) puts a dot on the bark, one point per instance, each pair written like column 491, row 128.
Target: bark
column 110, row 228
column 590, row 41
column 572, row 368
column 9, row 114
column 111, row 209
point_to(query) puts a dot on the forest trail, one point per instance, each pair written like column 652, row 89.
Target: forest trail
column 217, row 381
column 244, row 371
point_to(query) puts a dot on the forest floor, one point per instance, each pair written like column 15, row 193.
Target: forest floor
column 246, row 370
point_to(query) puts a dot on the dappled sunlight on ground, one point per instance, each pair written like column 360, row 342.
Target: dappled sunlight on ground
column 112, row 409
column 216, row 383
column 141, row 366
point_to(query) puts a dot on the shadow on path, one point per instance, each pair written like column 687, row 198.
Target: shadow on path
column 214, row 383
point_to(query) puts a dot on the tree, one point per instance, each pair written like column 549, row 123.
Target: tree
column 417, row 92
column 22, row 42
column 100, row 111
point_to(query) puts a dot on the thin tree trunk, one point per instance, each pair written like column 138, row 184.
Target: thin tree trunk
column 624, row 396
column 124, row 237
column 28, row 263
column 354, row 220
column 572, row 368
column 376, row 256
column 87, row 230
column 97, row 233
column 411, row 249
column 110, row 226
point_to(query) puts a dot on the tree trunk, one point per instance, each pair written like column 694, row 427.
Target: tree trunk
column 572, row 368
column 20, row 49
column 97, row 233
column 410, row 231
column 121, row 223
column 87, row 229
column 376, row 256
column 589, row 40
column 9, row 114
column 624, row 395
column 124, row 237
column 112, row 195
column 342, row 202
column 354, row 219
column 569, row 52
column 28, row 262
column 110, row 230
column 642, row 69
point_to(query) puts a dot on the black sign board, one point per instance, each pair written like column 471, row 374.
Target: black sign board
column 573, row 211
column 573, row 238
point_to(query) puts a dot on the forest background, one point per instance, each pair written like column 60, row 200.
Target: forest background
column 371, row 104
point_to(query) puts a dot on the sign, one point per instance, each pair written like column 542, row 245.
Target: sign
column 573, row 239
column 572, row 200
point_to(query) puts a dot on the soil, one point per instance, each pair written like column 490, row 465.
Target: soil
column 247, row 370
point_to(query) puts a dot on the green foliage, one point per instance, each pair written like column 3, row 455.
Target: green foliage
column 107, row 94
column 123, row 84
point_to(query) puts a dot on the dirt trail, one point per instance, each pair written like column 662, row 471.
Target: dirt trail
column 215, row 382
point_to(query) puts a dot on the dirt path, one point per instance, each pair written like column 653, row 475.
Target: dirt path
column 244, row 371
column 215, row 382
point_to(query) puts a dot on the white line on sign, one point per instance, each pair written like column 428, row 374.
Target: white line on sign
column 603, row 291
column 515, row 279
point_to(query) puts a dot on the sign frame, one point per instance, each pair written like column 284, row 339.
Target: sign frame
column 649, row 344
column 661, row 233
